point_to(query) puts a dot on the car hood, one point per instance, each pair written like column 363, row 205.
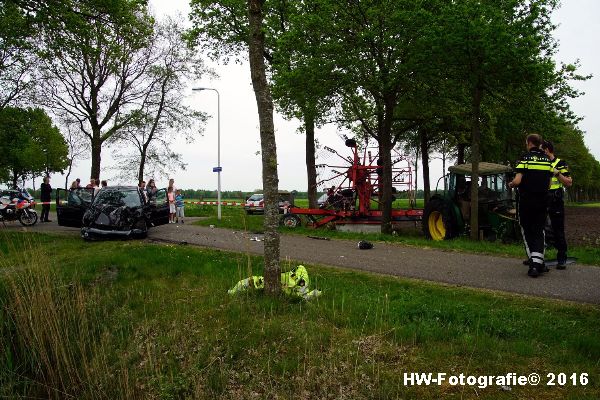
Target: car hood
column 106, row 216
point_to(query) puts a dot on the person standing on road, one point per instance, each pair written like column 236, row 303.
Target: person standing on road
column 532, row 177
column 151, row 189
column 172, row 185
column 142, row 189
column 45, row 197
column 96, row 186
column 179, row 205
column 171, row 199
column 76, row 184
column 556, row 206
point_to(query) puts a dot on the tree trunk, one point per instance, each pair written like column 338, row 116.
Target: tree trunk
column 311, row 171
column 385, row 155
column 96, row 156
column 425, row 163
column 460, row 150
column 444, row 170
column 15, row 180
column 416, row 175
column 385, row 188
column 264, row 103
column 68, row 174
column 142, row 164
column 475, row 156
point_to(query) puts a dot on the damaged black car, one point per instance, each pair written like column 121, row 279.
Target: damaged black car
column 119, row 211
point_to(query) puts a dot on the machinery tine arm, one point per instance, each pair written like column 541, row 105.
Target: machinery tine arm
column 329, row 149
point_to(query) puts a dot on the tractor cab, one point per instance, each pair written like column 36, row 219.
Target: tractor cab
column 447, row 215
column 493, row 191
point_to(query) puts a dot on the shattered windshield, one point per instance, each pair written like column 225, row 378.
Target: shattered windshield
column 118, row 198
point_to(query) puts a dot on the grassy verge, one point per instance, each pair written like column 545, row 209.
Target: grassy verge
column 236, row 218
column 153, row 321
column 596, row 204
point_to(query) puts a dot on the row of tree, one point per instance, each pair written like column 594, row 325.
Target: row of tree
column 468, row 77
column 110, row 75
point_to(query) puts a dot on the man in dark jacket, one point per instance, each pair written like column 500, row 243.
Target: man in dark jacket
column 532, row 177
column 45, row 197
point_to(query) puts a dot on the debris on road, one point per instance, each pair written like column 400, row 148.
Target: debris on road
column 364, row 245
column 318, row 238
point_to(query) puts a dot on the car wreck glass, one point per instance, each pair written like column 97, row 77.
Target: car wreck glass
column 130, row 198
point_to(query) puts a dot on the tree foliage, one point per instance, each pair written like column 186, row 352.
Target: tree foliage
column 162, row 114
column 16, row 54
column 30, row 144
column 296, row 79
column 303, row 82
column 94, row 68
column 499, row 52
column 584, row 168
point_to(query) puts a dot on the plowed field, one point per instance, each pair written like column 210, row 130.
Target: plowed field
column 582, row 226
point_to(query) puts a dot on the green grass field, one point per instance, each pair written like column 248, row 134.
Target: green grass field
column 133, row 320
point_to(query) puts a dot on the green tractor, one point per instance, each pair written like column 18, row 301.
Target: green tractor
column 447, row 215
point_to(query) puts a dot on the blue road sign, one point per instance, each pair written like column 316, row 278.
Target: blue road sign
column 217, row 169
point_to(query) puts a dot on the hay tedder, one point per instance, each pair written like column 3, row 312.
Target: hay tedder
column 352, row 187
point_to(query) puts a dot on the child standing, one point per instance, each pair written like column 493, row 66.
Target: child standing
column 171, row 198
column 179, row 205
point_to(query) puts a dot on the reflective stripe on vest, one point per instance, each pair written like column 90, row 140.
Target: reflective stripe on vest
column 554, row 182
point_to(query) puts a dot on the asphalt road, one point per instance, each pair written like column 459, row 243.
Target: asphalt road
column 578, row 283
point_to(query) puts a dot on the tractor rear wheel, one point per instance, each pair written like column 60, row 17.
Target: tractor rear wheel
column 291, row 221
column 439, row 222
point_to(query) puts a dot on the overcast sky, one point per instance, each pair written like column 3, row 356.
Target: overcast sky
column 579, row 28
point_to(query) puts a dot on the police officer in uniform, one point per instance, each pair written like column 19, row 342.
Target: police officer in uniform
column 556, row 206
column 532, row 177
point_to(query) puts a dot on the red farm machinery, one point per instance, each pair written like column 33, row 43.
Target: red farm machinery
column 352, row 185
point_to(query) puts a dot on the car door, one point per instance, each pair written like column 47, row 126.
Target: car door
column 159, row 208
column 71, row 205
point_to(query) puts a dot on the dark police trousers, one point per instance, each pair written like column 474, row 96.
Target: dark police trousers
column 532, row 218
column 556, row 212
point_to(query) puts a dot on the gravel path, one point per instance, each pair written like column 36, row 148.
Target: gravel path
column 579, row 283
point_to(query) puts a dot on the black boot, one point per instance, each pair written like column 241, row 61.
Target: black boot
column 533, row 272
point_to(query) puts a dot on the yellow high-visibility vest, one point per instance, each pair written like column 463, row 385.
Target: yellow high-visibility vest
column 555, row 183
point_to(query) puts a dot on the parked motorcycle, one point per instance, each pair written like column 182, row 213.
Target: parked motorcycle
column 17, row 205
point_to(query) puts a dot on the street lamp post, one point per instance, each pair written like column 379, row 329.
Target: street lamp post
column 218, row 169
